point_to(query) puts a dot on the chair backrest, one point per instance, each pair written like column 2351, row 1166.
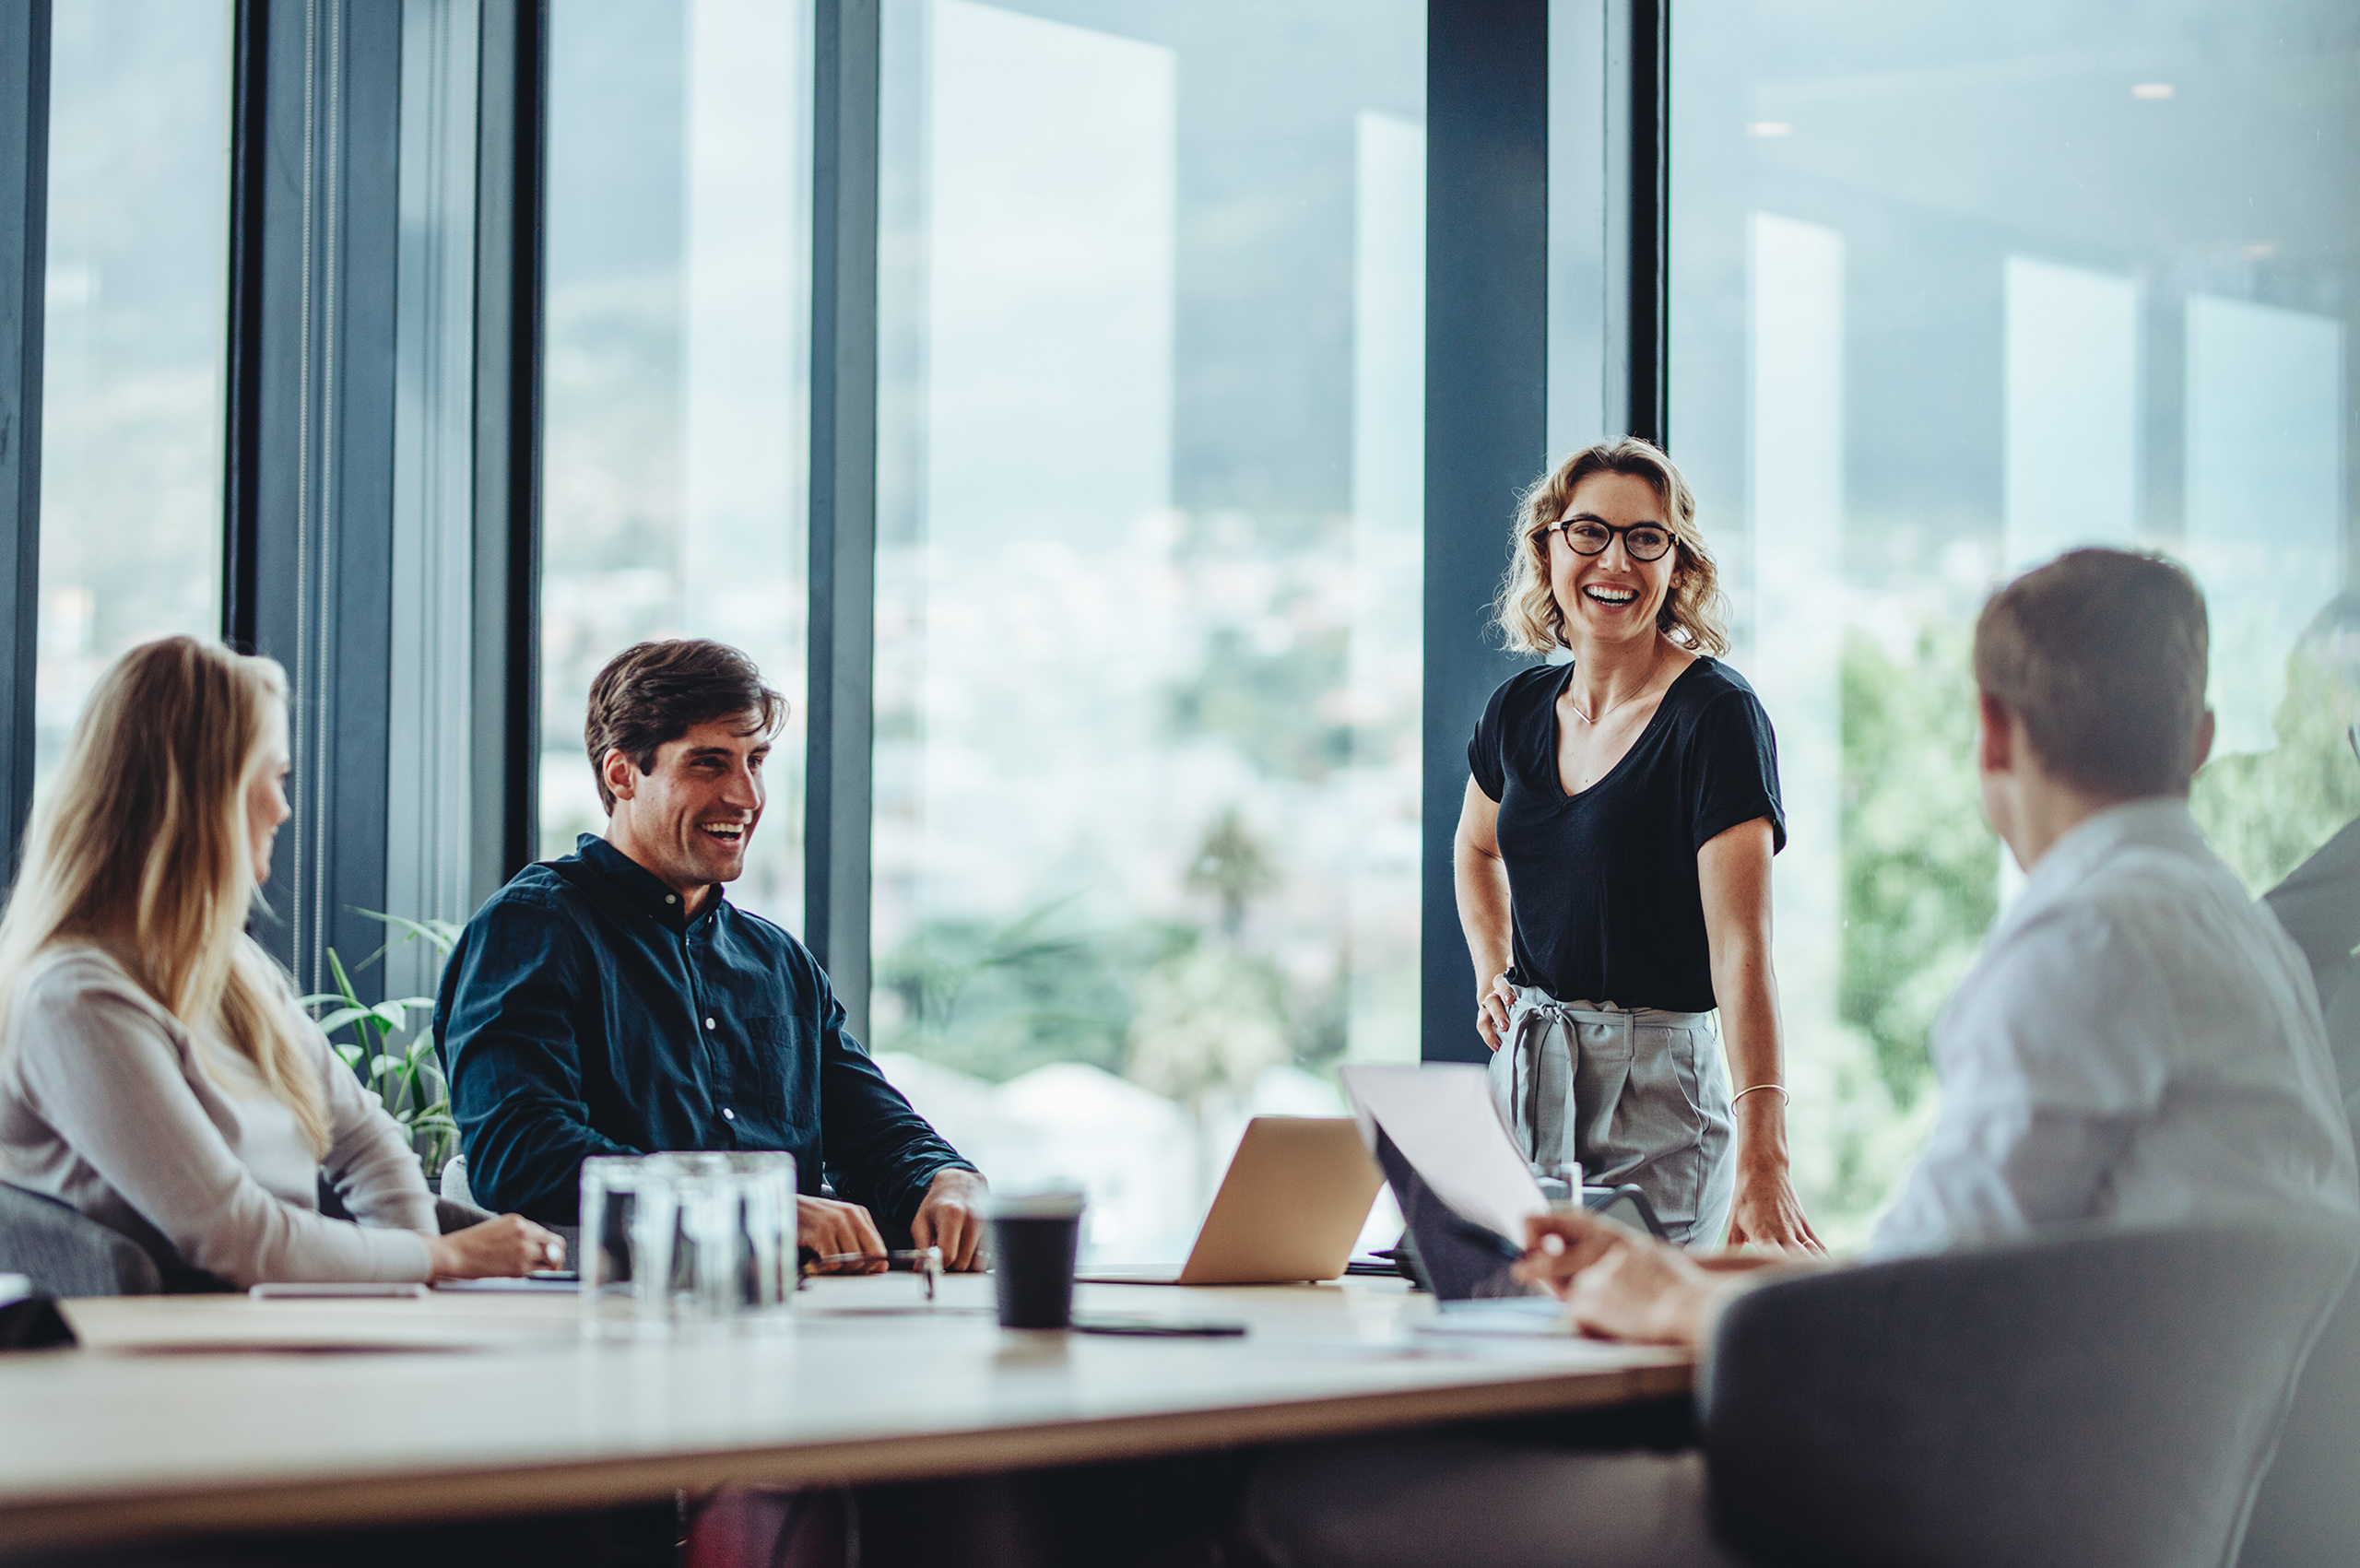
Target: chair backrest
column 65, row 1253
column 2308, row 1512
column 2088, row 1400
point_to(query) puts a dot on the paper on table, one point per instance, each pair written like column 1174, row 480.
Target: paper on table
column 1442, row 1119
column 236, row 1323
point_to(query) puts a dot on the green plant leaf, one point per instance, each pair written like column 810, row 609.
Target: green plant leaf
column 351, row 1053
column 441, row 933
column 341, row 1017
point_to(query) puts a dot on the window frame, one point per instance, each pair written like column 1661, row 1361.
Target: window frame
column 312, row 292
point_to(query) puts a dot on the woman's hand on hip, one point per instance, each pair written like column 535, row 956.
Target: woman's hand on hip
column 1767, row 1213
column 1491, row 1013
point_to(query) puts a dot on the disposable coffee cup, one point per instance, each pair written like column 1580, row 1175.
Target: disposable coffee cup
column 1036, row 1239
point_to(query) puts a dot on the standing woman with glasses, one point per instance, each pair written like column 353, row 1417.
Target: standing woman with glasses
column 1613, row 862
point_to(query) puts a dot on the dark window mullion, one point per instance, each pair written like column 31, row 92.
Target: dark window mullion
column 511, row 225
column 24, row 242
column 841, row 729
column 1487, row 338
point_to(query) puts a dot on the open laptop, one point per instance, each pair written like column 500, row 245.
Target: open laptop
column 1292, row 1202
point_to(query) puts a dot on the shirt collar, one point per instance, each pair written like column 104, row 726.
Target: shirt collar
column 640, row 887
column 2162, row 821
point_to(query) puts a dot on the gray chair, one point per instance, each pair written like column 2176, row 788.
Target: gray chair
column 64, row 1253
column 2308, row 1513
column 2087, row 1401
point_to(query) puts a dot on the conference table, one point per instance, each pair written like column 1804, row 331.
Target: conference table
column 185, row 1416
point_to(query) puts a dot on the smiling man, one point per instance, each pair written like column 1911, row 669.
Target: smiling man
column 614, row 1002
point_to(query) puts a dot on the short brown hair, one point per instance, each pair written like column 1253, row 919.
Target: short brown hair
column 1526, row 608
column 652, row 692
column 2102, row 654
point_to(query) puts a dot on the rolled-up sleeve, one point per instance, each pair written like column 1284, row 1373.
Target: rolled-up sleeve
column 506, row 1022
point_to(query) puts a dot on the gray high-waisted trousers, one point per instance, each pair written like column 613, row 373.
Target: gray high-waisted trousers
column 1651, row 1104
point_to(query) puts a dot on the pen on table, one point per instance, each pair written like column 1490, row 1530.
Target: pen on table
column 926, row 1261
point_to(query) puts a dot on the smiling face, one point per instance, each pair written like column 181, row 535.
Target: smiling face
column 691, row 818
column 1610, row 597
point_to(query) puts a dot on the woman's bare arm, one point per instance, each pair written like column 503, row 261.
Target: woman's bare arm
column 1733, row 875
column 1483, row 909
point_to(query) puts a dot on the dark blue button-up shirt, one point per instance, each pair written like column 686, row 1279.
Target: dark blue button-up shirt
column 583, row 1013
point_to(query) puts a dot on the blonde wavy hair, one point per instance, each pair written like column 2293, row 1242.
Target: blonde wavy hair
column 1526, row 610
column 141, row 844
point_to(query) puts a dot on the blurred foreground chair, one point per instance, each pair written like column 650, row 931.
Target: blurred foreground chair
column 2083, row 1402
column 2308, row 1513
column 67, row 1254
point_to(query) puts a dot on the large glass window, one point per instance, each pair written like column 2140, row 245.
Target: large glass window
column 137, row 341
column 1955, row 288
column 678, row 375
column 1148, row 576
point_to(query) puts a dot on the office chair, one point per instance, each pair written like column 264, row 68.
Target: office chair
column 64, row 1253
column 2087, row 1401
column 2308, row 1515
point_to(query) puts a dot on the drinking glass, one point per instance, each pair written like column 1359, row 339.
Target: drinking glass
column 750, row 1277
column 686, row 1243
column 630, row 1226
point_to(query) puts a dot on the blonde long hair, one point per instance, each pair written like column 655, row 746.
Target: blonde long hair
column 1526, row 608
column 141, row 843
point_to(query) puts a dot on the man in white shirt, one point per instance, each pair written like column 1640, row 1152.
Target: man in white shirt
column 2139, row 1044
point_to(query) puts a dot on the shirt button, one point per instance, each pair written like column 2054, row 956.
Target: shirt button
column 710, row 1024
column 728, row 1114
column 670, row 898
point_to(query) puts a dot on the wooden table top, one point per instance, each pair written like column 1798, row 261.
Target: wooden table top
column 173, row 1419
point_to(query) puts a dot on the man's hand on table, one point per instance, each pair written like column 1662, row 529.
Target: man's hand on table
column 1620, row 1285
column 951, row 1217
column 833, row 1229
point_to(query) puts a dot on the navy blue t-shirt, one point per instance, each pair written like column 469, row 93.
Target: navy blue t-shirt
column 1604, row 882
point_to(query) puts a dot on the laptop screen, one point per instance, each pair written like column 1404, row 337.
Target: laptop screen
column 1455, row 1258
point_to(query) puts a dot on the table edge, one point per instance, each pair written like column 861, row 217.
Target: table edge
column 418, row 1494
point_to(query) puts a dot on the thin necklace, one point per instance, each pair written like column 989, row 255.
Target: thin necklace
column 1576, row 707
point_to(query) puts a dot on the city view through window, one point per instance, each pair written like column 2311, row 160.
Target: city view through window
column 1148, row 632
column 1952, row 289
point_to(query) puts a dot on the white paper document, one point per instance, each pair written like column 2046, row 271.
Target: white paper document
column 1442, row 1119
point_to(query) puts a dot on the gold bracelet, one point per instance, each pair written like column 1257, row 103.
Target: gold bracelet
column 1749, row 1087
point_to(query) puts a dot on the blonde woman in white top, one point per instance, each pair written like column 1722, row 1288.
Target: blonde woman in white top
column 155, row 1069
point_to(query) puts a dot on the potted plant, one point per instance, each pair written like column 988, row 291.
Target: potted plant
column 405, row 1075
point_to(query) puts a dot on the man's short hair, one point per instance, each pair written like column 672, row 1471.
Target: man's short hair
column 2102, row 653
column 653, row 692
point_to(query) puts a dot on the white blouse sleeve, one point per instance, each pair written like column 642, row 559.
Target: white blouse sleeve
column 368, row 1160
column 103, row 1072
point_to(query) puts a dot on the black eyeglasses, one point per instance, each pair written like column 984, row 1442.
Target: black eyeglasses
column 1587, row 535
